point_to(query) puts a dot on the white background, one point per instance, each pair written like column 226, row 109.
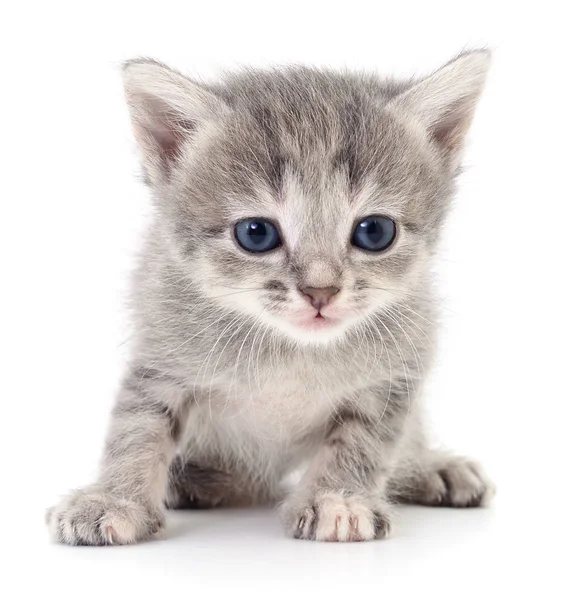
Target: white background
column 72, row 210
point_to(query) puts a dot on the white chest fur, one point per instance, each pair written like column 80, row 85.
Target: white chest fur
column 279, row 411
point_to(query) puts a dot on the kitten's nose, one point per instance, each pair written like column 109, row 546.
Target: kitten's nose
column 319, row 297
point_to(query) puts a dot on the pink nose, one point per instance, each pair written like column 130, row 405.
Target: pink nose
column 319, row 297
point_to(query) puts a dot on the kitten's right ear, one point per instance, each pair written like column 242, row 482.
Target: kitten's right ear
column 166, row 109
column 445, row 101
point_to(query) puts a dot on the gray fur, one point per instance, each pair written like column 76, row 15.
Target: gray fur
column 227, row 392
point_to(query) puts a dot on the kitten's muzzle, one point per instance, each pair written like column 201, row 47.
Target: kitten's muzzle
column 319, row 297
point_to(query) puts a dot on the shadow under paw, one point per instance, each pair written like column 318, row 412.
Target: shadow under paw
column 191, row 486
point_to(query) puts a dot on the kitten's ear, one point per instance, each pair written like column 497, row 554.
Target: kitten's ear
column 445, row 101
column 166, row 110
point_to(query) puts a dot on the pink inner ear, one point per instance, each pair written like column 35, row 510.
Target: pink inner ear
column 160, row 132
column 450, row 130
column 168, row 140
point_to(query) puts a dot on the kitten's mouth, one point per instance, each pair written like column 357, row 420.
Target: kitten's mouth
column 316, row 322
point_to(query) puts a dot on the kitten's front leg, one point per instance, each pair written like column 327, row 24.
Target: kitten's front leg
column 342, row 497
column 125, row 505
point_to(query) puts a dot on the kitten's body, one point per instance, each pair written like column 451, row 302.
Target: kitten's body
column 262, row 408
column 225, row 385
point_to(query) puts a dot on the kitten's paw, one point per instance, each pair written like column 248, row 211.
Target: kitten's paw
column 458, row 483
column 93, row 517
column 336, row 517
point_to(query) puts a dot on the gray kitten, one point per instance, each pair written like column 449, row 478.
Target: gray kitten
column 284, row 315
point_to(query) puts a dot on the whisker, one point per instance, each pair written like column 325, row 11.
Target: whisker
column 390, row 377
column 221, row 354
column 235, row 370
column 409, row 340
column 408, row 378
column 234, row 293
column 418, row 297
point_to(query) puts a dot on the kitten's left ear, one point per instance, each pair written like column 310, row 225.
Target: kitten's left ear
column 166, row 109
column 445, row 101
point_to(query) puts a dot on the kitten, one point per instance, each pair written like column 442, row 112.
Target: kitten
column 284, row 314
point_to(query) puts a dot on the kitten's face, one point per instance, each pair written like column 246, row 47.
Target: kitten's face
column 317, row 249
column 309, row 201
column 316, row 281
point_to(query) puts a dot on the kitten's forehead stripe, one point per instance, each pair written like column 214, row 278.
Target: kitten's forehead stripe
column 302, row 115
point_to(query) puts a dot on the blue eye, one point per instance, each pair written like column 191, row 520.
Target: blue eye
column 257, row 235
column 374, row 234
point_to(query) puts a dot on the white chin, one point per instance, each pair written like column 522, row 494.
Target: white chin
column 313, row 335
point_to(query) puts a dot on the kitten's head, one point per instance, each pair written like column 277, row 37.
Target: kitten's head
column 309, row 200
